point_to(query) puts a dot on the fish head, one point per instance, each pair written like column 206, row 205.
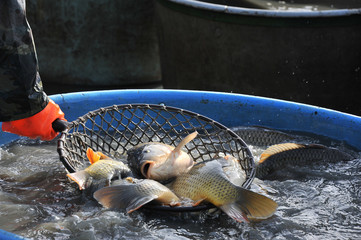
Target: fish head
column 160, row 161
column 176, row 164
column 144, row 157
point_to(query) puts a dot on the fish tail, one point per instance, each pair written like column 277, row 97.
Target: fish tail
column 185, row 140
column 80, row 177
column 249, row 206
column 122, row 197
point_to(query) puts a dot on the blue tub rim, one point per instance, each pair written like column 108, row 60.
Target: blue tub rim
column 220, row 8
column 89, row 101
column 230, row 109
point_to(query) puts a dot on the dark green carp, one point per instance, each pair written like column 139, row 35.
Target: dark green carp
column 261, row 136
column 279, row 156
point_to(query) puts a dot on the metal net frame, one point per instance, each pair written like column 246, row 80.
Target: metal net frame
column 115, row 129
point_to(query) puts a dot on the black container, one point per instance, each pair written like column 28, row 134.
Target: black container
column 95, row 42
column 306, row 55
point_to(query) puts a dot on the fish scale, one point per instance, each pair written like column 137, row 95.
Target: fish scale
column 279, row 156
column 208, row 182
column 106, row 168
column 260, row 136
column 204, row 181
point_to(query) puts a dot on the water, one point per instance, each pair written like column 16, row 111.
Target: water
column 291, row 5
column 308, row 5
column 37, row 201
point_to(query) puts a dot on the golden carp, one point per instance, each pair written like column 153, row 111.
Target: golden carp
column 208, row 182
column 160, row 161
column 279, row 156
column 134, row 193
column 105, row 169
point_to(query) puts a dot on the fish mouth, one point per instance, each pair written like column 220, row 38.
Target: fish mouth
column 146, row 167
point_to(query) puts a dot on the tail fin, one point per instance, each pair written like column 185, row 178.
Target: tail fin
column 185, row 140
column 80, row 177
column 123, row 197
column 250, row 206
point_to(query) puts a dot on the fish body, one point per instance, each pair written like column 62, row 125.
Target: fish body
column 103, row 168
column 279, row 156
column 260, row 136
column 160, row 161
column 232, row 169
column 132, row 194
column 237, row 175
column 208, row 182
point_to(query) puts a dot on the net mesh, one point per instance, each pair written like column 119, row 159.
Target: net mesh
column 115, row 129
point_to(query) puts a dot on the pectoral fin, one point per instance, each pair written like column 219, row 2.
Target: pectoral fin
column 234, row 212
column 179, row 159
column 185, row 140
column 123, row 197
column 196, row 203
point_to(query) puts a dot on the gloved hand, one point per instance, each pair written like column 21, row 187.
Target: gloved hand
column 38, row 125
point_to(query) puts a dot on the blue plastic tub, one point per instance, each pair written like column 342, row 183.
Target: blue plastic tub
column 226, row 108
column 229, row 109
column 4, row 235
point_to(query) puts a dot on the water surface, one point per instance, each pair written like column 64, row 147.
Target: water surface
column 37, row 201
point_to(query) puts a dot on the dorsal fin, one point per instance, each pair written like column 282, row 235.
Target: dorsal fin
column 92, row 156
column 278, row 148
column 102, row 156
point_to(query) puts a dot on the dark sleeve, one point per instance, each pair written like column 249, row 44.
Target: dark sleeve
column 21, row 90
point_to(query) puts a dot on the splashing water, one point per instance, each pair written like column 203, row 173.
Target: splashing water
column 37, row 201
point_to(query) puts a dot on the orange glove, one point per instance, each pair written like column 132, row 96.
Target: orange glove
column 38, row 125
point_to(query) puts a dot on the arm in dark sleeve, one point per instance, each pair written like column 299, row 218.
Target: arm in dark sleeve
column 21, row 91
